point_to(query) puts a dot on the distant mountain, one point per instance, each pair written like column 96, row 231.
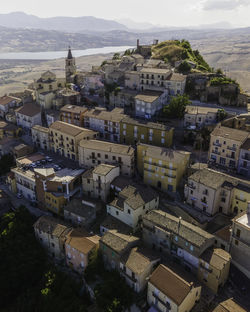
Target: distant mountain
column 61, row 23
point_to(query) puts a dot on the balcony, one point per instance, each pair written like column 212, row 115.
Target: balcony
column 192, row 186
column 215, row 152
column 216, row 144
column 231, row 148
column 158, row 165
column 230, row 156
column 165, row 304
column 132, row 278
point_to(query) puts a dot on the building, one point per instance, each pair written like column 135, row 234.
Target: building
column 73, row 114
column 25, row 183
column 148, row 103
column 40, row 137
column 7, row 145
column 7, row 103
column 222, row 238
column 162, row 79
column 136, row 266
column 51, row 116
column 28, row 116
column 66, row 96
column 96, row 182
column 225, row 145
column 132, row 202
column 70, row 67
column 113, row 245
column 105, row 122
column 214, row 268
column 167, row 291
column 244, row 159
column 113, row 224
column 199, row 116
column 79, row 212
column 133, row 131
column 46, row 87
column 52, row 235
column 240, row 242
column 171, row 235
column 79, row 246
column 8, row 130
column 55, row 189
column 95, row 152
column 160, row 167
column 229, row 305
column 65, row 138
column 212, row 191
column 22, row 150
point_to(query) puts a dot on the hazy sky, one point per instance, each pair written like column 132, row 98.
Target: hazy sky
column 164, row 12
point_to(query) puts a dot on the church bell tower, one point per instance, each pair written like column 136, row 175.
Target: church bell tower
column 70, row 67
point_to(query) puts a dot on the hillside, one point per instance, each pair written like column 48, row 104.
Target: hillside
column 172, row 51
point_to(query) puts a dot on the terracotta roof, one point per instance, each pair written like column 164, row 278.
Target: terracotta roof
column 77, row 207
column 229, row 305
column 153, row 70
column 29, row 109
column 107, row 147
column 186, row 230
column 177, row 77
column 81, row 241
column 69, row 129
column 116, row 115
column 4, row 100
column 112, row 224
column 170, row 284
column 230, row 133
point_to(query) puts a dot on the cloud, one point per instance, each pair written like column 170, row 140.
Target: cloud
column 224, row 5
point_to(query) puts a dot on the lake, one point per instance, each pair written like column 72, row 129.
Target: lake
column 59, row 54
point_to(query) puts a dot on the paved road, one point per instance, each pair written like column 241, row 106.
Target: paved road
column 231, row 110
column 16, row 202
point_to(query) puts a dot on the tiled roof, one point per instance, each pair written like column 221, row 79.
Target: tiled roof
column 113, row 224
column 214, row 179
column 135, row 196
column 230, row 133
column 40, row 128
column 69, row 129
column 76, row 207
column 145, row 123
column 191, row 233
column 51, row 226
column 29, row 109
column 138, row 260
column 170, row 284
column 229, row 305
column 117, row 241
column 217, row 257
column 73, row 109
column 81, row 241
column 107, row 147
column 103, row 169
column 190, row 109
column 224, row 233
column 148, row 96
column 116, row 115
column 4, row 100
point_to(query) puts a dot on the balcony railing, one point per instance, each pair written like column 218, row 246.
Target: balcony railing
column 240, row 199
column 215, row 152
column 217, row 144
column 231, row 148
column 165, row 304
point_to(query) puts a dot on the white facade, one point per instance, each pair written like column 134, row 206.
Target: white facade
column 25, row 182
column 28, row 121
column 129, row 215
column 40, row 137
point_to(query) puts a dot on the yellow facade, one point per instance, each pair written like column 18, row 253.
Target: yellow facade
column 161, row 168
column 11, row 181
column 55, row 203
column 133, row 131
column 240, row 199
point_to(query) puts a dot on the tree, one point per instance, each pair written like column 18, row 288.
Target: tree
column 184, row 67
column 221, row 114
column 116, row 56
column 177, row 106
column 6, row 162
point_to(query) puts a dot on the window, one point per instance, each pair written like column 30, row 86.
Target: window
column 124, row 132
column 191, row 247
column 191, row 192
column 176, row 238
column 142, row 136
column 106, row 156
column 117, row 213
column 124, row 126
column 238, row 233
column 98, row 155
column 114, row 158
column 162, row 141
column 88, row 181
column 128, row 211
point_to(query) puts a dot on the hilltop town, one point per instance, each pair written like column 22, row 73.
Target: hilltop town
column 134, row 180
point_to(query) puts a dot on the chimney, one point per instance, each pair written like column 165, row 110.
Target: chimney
column 191, row 285
column 138, row 43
